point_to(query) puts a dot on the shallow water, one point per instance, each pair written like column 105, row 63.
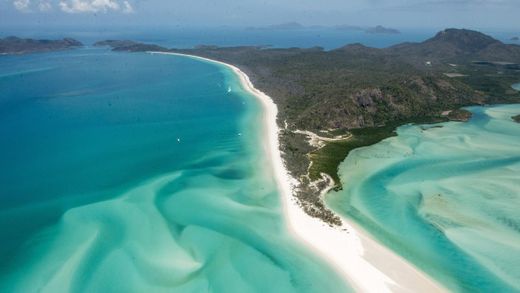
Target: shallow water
column 139, row 173
column 444, row 196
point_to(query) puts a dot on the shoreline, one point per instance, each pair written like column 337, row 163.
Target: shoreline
column 365, row 264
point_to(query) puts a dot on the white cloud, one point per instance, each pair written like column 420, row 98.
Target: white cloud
column 82, row 6
column 22, row 5
column 44, row 6
column 127, row 7
column 74, row 6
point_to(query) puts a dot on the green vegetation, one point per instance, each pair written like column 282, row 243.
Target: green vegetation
column 494, row 81
column 460, row 115
column 129, row 46
column 366, row 91
column 14, row 45
column 327, row 159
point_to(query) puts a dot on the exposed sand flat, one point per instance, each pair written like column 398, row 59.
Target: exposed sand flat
column 365, row 264
column 455, row 74
column 320, row 141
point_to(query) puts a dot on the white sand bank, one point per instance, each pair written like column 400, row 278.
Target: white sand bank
column 365, row 264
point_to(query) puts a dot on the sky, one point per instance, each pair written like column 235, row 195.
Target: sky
column 495, row 14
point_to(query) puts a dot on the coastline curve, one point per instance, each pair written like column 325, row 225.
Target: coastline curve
column 365, row 264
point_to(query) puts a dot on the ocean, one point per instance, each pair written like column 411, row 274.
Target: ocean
column 184, row 37
column 134, row 172
column 129, row 172
column 189, row 37
column 444, row 196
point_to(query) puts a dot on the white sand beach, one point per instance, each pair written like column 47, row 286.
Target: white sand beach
column 365, row 264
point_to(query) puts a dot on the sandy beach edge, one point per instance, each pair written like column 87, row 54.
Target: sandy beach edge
column 365, row 264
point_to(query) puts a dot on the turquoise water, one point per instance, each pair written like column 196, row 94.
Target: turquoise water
column 139, row 173
column 444, row 196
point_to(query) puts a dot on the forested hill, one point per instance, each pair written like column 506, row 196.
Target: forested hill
column 15, row 45
column 367, row 92
column 356, row 86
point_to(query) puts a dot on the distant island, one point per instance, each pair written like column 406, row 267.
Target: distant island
column 331, row 102
column 382, row 30
column 515, row 39
column 516, row 118
column 15, row 45
column 379, row 29
column 129, row 46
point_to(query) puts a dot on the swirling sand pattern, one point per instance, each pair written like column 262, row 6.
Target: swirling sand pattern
column 444, row 196
column 140, row 181
column 172, row 233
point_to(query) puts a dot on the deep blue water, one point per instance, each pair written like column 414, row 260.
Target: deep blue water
column 179, row 37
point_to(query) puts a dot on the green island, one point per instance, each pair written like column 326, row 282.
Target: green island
column 14, row 45
column 331, row 102
column 516, row 118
